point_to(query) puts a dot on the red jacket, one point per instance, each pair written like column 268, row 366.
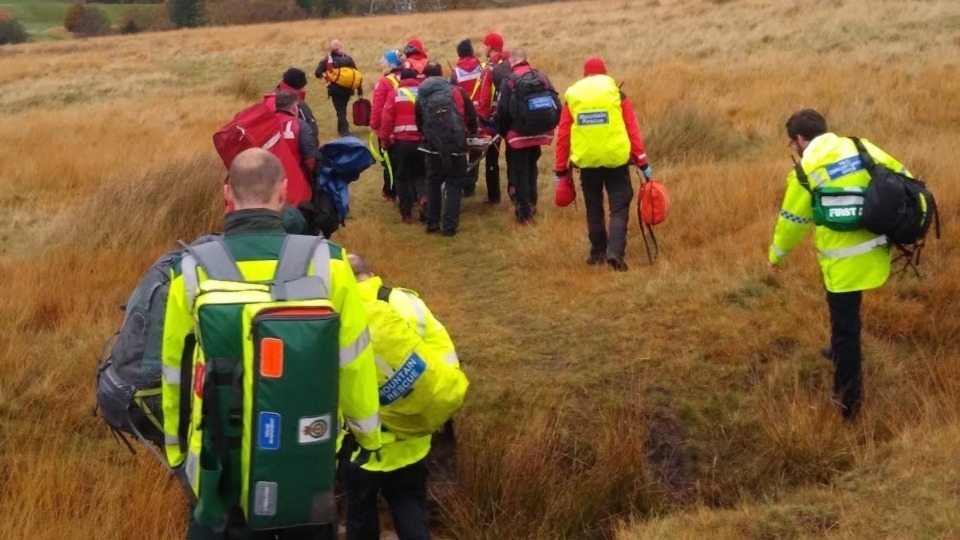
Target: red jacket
column 416, row 61
column 486, row 96
column 386, row 83
column 298, row 189
column 514, row 139
column 637, row 153
column 399, row 118
column 467, row 75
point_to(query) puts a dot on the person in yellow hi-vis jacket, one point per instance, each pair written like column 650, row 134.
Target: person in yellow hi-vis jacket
column 851, row 258
column 254, row 236
column 421, row 385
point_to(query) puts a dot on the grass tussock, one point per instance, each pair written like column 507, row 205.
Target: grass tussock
column 683, row 399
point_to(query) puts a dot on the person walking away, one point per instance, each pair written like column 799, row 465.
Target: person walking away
column 338, row 94
column 466, row 75
column 399, row 133
column 251, row 247
column 599, row 134
column 529, row 111
column 851, row 261
column 390, row 80
column 415, row 57
column 295, row 80
column 296, row 133
column 445, row 118
column 399, row 322
column 486, row 104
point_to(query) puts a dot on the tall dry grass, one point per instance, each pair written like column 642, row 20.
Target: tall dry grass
column 683, row 399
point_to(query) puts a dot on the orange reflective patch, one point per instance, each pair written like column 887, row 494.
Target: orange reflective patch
column 271, row 357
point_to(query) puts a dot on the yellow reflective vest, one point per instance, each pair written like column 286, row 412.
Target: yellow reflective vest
column 397, row 327
column 256, row 256
column 598, row 136
column 850, row 261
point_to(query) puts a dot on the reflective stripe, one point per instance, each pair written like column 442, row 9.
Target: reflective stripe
column 288, row 131
column 451, row 358
column 171, row 440
column 272, row 142
column 191, row 280
column 530, row 137
column 841, row 200
column 384, row 367
column 351, row 352
column 406, row 95
column 193, row 470
column 817, row 179
column 642, row 156
column 171, row 375
column 789, row 216
column 777, row 251
column 421, row 316
column 393, row 80
column 404, row 129
column 852, row 251
column 367, row 425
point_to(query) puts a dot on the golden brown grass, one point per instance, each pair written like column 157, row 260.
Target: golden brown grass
column 684, row 399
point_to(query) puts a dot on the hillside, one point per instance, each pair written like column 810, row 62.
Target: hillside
column 682, row 399
column 43, row 19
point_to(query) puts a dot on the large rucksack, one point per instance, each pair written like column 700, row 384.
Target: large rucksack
column 534, row 105
column 129, row 378
column 442, row 124
column 265, row 380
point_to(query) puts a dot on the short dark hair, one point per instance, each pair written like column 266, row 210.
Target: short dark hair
column 285, row 99
column 408, row 73
column 433, row 69
column 807, row 123
column 255, row 176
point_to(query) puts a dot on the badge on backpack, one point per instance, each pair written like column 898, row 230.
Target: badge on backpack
column 314, row 429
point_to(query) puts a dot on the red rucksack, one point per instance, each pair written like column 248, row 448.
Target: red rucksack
column 361, row 112
column 258, row 126
column 653, row 205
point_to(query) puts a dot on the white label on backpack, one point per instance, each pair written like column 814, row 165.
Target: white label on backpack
column 265, row 499
column 540, row 103
column 593, row 118
column 314, row 429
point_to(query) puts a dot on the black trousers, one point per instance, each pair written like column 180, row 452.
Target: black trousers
column 340, row 103
column 492, row 166
column 406, row 493
column 522, row 173
column 847, row 355
column 611, row 243
column 451, row 171
column 237, row 530
column 388, row 187
column 408, row 174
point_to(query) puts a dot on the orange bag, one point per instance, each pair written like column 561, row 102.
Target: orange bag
column 653, row 203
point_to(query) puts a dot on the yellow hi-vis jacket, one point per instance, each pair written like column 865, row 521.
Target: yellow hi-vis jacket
column 256, row 256
column 395, row 330
column 598, row 137
column 850, row 261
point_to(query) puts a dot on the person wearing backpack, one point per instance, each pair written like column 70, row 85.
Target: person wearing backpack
column 851, row 260
column 405, row 334
column 401, row 138
column 415, row 57
column 261, row 330
column 297, row 134
column 445, row 118
column 486, row 104
column 390, row 80
column 340, row 95
column 599, row 134
column 466, row 75
column 529, row 111
column 295, row 80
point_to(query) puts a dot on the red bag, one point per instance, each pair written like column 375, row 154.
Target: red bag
column 361, row 112
column 566, row 192
column 258, row 126
column 653, row 203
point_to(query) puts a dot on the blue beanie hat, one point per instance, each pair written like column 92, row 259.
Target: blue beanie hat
column 392, row 58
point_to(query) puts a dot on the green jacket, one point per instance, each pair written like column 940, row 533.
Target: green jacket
column 850, row 261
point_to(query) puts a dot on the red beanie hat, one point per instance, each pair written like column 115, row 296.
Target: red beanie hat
column 416, row 43
column 594, row 66
column 494, row 40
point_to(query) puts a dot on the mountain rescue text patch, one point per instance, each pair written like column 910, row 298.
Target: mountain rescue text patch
column 593, row 118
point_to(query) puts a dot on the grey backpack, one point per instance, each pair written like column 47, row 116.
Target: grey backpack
column 128, row 379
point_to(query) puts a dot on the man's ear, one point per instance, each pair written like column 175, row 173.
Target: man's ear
column 228, row 196
column 283, row 192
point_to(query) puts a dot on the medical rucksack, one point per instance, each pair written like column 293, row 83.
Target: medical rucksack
column 441, row 122
column 345, row 77
column 534, row 105
column 264, row 424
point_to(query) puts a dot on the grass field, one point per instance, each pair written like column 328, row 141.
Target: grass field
column 680, row 400
column 43, row 19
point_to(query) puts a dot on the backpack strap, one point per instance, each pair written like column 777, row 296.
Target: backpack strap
column 868, row 162
column 802, row 177
column 383, row 294
column 291, row 280
column 216, row 261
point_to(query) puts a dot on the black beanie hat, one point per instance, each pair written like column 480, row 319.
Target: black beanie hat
column 465, row 48
column 295, row 78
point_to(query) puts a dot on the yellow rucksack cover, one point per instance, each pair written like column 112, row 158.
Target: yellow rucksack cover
column 347, row 77
column 419, row 389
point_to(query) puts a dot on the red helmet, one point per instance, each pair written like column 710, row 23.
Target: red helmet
column 494, row 40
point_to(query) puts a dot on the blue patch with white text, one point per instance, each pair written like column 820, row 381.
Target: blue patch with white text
column 540, row 103
column 593, row 118
column 844, row 167
column 268, row 431
column 403, row 380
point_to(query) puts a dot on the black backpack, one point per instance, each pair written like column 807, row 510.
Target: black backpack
column 441, row 122
column 895, row 205
column 534, row 105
